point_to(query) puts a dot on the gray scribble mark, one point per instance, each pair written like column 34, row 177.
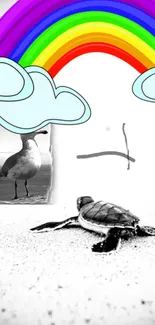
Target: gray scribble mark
column 106, row 153
column 126, row 142
column 111, row 153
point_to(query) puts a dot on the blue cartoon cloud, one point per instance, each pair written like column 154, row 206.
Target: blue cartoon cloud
column 144, row 86
column 15, row 83
column 29, row 99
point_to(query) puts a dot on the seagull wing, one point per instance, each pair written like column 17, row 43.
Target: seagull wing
column 10, row 163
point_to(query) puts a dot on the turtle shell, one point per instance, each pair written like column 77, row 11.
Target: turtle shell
column 108, row 214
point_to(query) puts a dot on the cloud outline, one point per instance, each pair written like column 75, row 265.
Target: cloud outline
column 28, row 86
column 56, row 91
column 138, row 86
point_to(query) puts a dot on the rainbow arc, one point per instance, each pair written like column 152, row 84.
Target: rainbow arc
column 52, row 33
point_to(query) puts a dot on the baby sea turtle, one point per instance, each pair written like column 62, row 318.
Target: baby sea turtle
column 108, row 219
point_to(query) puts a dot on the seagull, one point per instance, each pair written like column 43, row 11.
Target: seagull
column 24, row 164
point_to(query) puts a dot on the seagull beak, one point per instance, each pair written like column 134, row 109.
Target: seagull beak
column 41, row 132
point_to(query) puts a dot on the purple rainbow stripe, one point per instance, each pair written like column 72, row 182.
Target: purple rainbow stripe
column 23, row 16
column 146, row 5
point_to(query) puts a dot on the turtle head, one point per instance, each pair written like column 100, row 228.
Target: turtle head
column 81, row 201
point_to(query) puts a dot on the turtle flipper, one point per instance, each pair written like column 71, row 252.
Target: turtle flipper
column 110, row 243
column 56, row 225
column 145, row 231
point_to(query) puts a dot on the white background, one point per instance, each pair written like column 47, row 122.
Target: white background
column 5, row 5
column 106, row 83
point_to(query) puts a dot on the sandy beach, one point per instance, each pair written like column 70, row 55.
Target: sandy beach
column 54, row 278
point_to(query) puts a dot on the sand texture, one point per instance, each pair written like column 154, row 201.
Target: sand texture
column 54, row 277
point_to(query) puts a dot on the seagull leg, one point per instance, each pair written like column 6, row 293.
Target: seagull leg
column 27, row 191
column 16, row 196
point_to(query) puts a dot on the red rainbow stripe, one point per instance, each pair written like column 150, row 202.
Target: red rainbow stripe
column 96, row 47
